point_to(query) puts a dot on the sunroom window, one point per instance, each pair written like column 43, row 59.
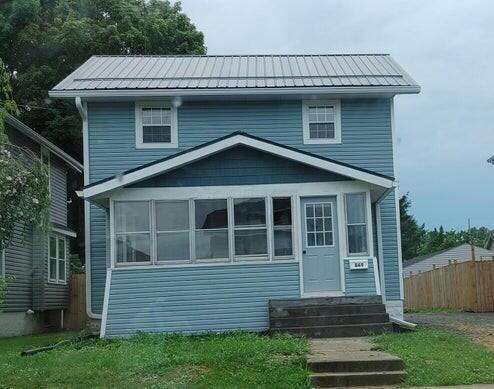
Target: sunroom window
column 250, row 227
column 172, row 230
column 133, row 231
column 356, row 223
column 211, row 229
column 282, row 227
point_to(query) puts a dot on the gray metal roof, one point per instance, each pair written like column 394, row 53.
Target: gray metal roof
column 236, row 72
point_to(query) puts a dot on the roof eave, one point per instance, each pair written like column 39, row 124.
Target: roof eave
column 122, row 93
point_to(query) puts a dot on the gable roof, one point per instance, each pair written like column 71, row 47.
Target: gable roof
column 379, row 72
column 30, row 133
column 461, row 253
column 234, row 139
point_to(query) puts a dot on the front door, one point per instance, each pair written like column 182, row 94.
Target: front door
column 321, row 261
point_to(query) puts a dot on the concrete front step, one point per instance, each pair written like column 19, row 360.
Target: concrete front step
column 344, row 379
column 326, row 310
column 317, row 321
column 337, row 331
column 325, row 301
column 363, row 362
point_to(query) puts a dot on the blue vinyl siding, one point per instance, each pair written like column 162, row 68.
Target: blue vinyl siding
column 240, row 166
column 366, row 143
column 197, row 299
column 360, row 282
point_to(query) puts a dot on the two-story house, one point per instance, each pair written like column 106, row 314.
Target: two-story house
column 37, row 260
column 215, row 185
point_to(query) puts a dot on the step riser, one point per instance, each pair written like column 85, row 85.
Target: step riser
column 363, row 380
column 327, row 310
column 327, row 320
column 337, row 332
column 356, row 366
column 294, row 303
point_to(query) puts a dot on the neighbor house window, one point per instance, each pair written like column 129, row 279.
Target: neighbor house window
column 322, row 122
column 211, row 229
column 133, row 232
column 156, row 125
column 250, row 228
column 282, row 227
column 172, row 230
column 57, row 259
column 356, row 223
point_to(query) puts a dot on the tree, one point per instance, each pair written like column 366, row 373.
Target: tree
column 412, row 234
column 43, row 41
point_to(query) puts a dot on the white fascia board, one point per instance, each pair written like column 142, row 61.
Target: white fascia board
column 118, row 93
column 194, row 155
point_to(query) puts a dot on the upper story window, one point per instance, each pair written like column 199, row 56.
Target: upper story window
column 322, row 122
column 156, row 125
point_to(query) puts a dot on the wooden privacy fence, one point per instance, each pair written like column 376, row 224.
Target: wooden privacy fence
column 76, row 317
column 466, row 286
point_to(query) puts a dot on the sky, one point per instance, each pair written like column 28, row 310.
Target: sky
column 446, row 133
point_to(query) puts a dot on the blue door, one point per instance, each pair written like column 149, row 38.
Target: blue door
column 321, row 261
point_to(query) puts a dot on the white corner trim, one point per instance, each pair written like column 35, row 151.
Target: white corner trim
column 105, row 303
column 337, row 121
column 139, row 105
column 376, row 276
column 64, row 232
column 193, row 155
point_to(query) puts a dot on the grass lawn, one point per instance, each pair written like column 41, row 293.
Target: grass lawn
column 435, row 358
column 237, row 360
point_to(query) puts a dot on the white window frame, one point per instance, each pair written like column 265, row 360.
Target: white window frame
column 366, row 223
column 324, row 231
column 337, row 121
column 232, row 258
column 57, row 280
column 140, row 144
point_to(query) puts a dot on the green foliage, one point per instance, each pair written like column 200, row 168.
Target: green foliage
column 43, row 41
column 437, row 358
column 4, row 281
column 416, row 240
column 236, row 360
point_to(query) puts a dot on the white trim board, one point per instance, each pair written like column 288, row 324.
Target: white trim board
column 227, row 143
column 105, row 303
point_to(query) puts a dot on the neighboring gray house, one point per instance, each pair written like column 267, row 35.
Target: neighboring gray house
column 461, row 253
column 35, row 300
column 490, row 243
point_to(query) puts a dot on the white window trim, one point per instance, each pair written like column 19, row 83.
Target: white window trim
column 368, row 217
column 332, row 224
column 138, row 125
column 337, row 121
column 57, row 280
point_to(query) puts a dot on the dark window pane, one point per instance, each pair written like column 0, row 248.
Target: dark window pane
column 173, row 246
column 156, row 134
column 53, row 247
column 321, row 130
column 212, row 244
column 133, row 248
column 282, row 242
column 251, row 242
column 211, row 214
column 355, row 208
column 282, row 211
column 61, row 248
column 357, row 239
column 61, row 270
column 53, row 269
column 311, row 239
column 249, row 212
column 132, row 216
column 328, row 237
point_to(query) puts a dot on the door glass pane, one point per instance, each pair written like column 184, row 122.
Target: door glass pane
column 132, row 216
column 133, row 248
column 53, row 247
column 172, row 215
column 250, row 212
column 251, row 242
column 212, row 244
column 282, row 211
column 61, row 248
column 173, row 246
column 211, row 214
column 355, row 208
column 53, row 269
column 282, row 242
column 61, row 270
column 357, row 239
column 319, row 224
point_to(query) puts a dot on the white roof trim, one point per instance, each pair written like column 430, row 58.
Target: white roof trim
column 226, row 143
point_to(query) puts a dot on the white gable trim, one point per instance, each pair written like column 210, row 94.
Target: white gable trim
column 224, row 144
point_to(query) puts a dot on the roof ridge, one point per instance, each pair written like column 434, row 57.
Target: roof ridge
column 239, row 55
